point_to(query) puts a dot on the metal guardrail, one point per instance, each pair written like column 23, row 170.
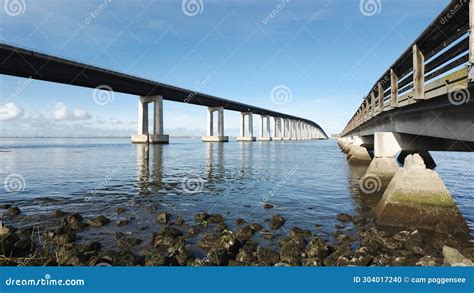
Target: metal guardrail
column 439, row 56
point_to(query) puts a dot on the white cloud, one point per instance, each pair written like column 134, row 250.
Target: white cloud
column 10, row 111
column 62, row 113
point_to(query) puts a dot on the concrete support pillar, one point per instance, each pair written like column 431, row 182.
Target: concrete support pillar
column 417, row 197
column 143, row 136
column 293, row 130
column 265, row 134
column 384, row 166
column 358, row 154
column 346, row 144
column 250, row 126
column 142, row 116
column 211, row 135
column 298, row 130
column 278, row 129
column 286, row 129
column 246, row 136
column 210, row 122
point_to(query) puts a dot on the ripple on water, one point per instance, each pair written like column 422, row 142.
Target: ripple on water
column 308, row 182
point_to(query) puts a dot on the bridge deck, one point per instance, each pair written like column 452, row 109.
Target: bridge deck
column 26, row 63
column 427, row 91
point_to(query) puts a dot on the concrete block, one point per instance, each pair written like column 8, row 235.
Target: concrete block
column 158, row 139
column 207, row 138
column 383, row 170
column 417, row 197
column 140, row 138
column 358, row 154
column 246, row 138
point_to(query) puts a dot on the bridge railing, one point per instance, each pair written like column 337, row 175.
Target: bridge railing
column 442, row 55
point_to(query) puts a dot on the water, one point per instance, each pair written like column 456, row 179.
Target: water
column 308, row 182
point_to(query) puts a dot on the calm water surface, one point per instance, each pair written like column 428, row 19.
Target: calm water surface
column 308, row 182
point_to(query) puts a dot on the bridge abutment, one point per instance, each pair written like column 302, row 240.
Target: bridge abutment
column 211, row 135
column 143, row 136
column 417, row 197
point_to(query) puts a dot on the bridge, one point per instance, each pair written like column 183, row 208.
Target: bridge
column 423, row 102
column 26, row 63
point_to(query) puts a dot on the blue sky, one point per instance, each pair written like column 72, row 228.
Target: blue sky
column 327, row 52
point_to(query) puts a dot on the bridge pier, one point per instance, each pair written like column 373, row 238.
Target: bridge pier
column 296, row 134
column 427, row 158
column 286, row 129
column 417, row 197
column 265, row 134
column 384, row 166
column 142, row 135
column 211, row 137
column 278, row 128
column 345, row 143
column 243, row 135
column 358, row 153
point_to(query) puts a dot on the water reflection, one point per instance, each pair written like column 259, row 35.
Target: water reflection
column 364, row 203
column 246, row 160
column 215, row 165
column 149, row 168
column 143, row 168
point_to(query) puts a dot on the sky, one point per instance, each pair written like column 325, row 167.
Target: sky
column 323, row 56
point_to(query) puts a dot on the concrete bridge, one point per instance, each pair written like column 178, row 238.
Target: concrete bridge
column 30, row 64
column 423, row 102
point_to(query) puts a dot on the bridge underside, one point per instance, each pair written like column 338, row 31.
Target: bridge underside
column 434, row 125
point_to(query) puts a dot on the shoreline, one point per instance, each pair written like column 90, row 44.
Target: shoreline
column 209, row 241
